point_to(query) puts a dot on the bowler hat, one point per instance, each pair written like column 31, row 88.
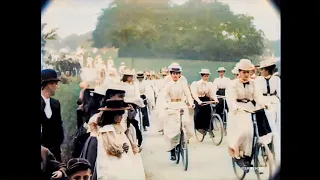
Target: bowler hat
column 48, row 75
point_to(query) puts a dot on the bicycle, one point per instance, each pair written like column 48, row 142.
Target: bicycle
column 216, row 124
column 224, row 113
column 182, row 147
column 257, row 148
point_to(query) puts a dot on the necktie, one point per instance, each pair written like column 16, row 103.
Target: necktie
column 47, row 109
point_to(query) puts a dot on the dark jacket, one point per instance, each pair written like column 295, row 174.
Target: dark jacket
column 52, row 129
column 49, row 164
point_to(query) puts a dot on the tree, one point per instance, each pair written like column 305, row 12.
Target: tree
column 195, row 30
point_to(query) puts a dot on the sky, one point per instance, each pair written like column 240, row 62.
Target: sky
column 80, row 16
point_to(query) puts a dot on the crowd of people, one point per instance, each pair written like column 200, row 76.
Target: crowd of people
column 109, row 138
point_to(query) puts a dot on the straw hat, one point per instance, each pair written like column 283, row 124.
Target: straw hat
column 122, row 64
column 175, row 67
column 204, row 71
column 267, row 63
column 100, row 90
column 221, row 69
column 128, row 72
column 140, row 74
column 116, row 86
column 173, row 64
column 164, row 71
column 152, row 73
column 235, row 70
column 245, row 64
column 147, row 73
column 134, row 100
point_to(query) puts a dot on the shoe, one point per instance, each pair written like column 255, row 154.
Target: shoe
column 144, row 129
column 211, row 134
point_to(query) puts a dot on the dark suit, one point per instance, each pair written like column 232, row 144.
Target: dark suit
column 52, row 131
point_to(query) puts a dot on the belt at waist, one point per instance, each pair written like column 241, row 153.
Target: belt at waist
column 268, row 94
column 176, row 100
column 243, row 100
column 221, row 88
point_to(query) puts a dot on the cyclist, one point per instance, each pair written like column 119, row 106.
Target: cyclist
column 174, row 92
column 203, row 90
column 269, row 85
column 235, row 72
column 145, row 93
column 221, row 84
column 241, row 95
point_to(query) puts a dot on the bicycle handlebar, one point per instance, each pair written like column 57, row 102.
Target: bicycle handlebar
column 218, row 96
column 208, row 103
column 253, row 112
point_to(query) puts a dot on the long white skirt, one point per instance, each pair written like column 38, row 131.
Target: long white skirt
column 172, row 126
column 240, row 130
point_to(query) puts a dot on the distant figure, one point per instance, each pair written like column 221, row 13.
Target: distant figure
column 89, row 61
column 122, row 68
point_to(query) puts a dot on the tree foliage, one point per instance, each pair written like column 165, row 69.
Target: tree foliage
column 194, row 30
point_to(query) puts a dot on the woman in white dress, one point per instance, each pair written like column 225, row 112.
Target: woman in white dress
column 269, row 85
column 176, row 93
column 115, row 158
column 241, row 95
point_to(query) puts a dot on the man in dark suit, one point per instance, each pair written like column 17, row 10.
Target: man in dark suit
column 51, row 124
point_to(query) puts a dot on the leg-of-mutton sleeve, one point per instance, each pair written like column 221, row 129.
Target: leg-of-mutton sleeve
column 278, row 86
column 231, row 97
column 193, row 88
column 213, row 91
column 187, row 93
column 257, row 94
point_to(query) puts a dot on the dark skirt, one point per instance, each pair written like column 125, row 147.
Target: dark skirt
column 144, row 112
column 262, row 123
column 202, row 115
column 89, row 151
column 221, row 92
column 79, row 141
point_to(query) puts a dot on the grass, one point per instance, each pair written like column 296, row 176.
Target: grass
column 68, row 94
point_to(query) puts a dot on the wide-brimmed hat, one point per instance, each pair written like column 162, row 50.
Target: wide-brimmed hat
column 175, row 67
column 77, row 164
column 116, row 86
column 147, row 73
column 221, row 69
column 133, row 99
column 100, row 90
column 164, row 71
column 152, row 73
column 245, row 64
column 122, row 64
column 204, row 71
column 235, row 70
column 115, row 105
column 140, row 74
column 267, row 63
column 128, row 72
column 48, row 75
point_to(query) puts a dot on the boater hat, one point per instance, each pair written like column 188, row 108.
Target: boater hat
column 205, row 71
column 221, row 69
column 140, row 74
column 267, row 63
column 128, row 72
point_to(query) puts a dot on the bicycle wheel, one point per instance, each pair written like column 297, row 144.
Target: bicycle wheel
column 184, row 151
column 199, row 136
column 263, row 162
column 177, row 150
column 217, row 129
column 240, row 173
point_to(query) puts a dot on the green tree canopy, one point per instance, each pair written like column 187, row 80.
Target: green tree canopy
column 194, row 30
